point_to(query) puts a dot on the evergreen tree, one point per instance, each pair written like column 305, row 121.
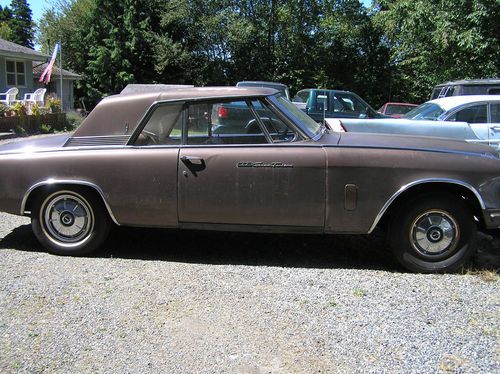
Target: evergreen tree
column 21, row 24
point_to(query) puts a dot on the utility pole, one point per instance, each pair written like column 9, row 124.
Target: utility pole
column 61, row 73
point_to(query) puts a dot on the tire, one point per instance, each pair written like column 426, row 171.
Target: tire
column 433, row 234
column 70, row 221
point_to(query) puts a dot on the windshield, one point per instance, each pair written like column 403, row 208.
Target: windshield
column 311, row 127
column 429, row 111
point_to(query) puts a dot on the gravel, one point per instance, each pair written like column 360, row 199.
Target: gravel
column 200, row 302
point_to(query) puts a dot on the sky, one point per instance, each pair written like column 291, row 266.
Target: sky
column 37, row 7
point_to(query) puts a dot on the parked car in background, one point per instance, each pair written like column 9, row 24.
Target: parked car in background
column 320, row 104
column 473, row 118
column 155, row 160
column 467, row 87
column 280, row 87
column 396, row 110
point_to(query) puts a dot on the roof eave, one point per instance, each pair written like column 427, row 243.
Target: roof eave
column 25, row 56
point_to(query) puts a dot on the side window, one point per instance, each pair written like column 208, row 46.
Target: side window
column 302, row 96
column 223, row 122
column 472, row 114
column 495, row 113
column 349, row 103
column 322, row 101
column 164, row 127
column 278, row 130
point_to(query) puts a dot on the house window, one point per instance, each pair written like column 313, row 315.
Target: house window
column 16, row 73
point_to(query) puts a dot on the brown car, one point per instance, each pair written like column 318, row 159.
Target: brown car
column 171, row 159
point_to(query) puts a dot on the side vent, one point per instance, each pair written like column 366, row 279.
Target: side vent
column 97, row 141
column 350, row 197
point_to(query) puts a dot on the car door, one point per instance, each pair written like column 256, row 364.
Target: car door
column 251, row 173
column 483, row 119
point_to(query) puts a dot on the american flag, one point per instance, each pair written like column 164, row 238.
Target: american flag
column 45, row 77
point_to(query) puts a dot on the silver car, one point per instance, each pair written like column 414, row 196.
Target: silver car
column 472, row 118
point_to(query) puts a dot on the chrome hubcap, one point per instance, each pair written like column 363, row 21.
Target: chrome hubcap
column 434, row 233
column 67, row 218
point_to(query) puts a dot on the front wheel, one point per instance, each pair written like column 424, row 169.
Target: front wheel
column 70, row 222
column 433, row 234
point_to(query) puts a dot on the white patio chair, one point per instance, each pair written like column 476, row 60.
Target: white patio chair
column 36, row 97
column 10, row 96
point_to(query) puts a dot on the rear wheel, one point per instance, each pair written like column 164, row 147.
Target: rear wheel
column 70, row 221
column 433, row 233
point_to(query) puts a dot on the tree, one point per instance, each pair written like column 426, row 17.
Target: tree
column 21, row 24
column 433, row 41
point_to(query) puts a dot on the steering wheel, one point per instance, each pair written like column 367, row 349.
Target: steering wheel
column 155, row 139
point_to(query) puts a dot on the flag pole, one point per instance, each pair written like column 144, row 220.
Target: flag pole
column 61, row 73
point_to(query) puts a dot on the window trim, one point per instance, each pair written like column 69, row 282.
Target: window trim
column 465, row 106
column 16, row 73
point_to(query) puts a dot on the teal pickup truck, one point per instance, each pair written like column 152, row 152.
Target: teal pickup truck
column 320, row 104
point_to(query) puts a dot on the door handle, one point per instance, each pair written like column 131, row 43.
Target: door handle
column 495, row 128
column 192, row 159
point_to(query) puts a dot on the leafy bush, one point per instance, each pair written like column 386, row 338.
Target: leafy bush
column 3, row 109
column 54, row 104
column 73, row 121
column 20, row 131
column 35, row 110
column 19, row 109
column 45, row 129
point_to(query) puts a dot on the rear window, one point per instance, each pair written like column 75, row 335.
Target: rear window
column 426, row 111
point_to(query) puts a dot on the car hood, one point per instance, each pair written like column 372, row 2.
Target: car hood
column 393, row 141
column 34, row 144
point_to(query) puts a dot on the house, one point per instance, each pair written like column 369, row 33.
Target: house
column 54, row 87
column 21, row 67
column 16, row 69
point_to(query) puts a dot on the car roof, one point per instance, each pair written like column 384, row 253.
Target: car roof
column 186, row 93
column 451, row 102
column 262, row 83
column 400, row 104
column 121, row 114
column 466, row 82
column 326, row 89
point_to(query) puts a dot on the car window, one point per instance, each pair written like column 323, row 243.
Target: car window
column 495, row 112
column 471, row 114
column 223, row 122
column 347, row 103
column 322, row 101
column 164, row 126
column 398, row 109
column 302, row 96
column 278, row 130
column 426, row 111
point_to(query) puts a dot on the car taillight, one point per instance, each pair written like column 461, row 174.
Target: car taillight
column 223, row 112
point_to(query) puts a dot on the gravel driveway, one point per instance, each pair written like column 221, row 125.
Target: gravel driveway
column 196, row 302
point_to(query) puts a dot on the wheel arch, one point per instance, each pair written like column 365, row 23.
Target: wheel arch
column 40, row 186
column 428, row 186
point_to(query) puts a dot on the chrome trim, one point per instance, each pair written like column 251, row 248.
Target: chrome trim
column 422, row 181
column 93, row 141
column 52, row 181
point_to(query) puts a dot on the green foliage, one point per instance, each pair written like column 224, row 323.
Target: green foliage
column 54, row 104
column 3, row 109
column 45, row 129
column 5, row 30
column 73, row 121
column 436, row 41
column 21, row 23
column 396, row 50
column 20, row 131
column 19, row 109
